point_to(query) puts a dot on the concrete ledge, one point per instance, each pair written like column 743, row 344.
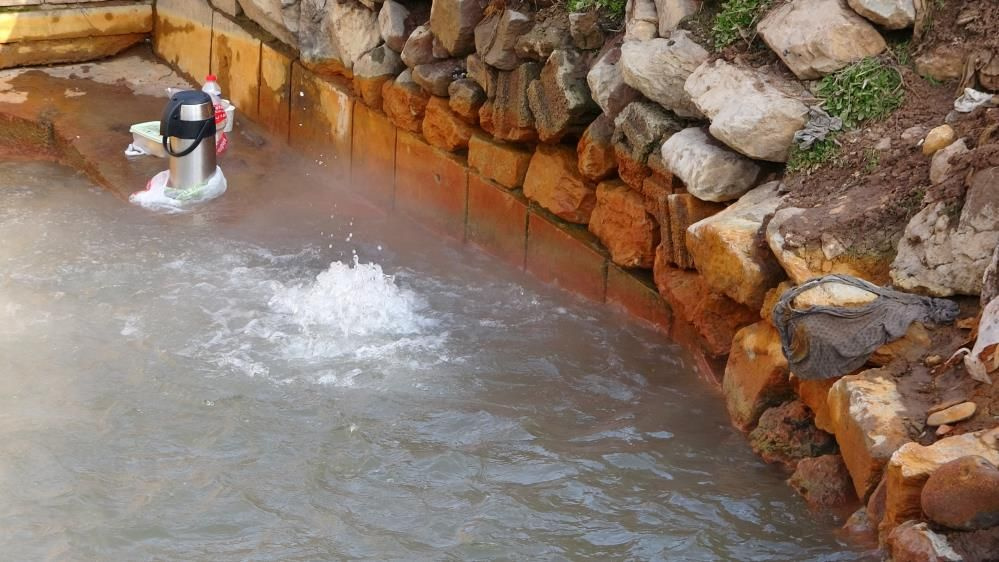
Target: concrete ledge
column 53, row 51
column 75, row 21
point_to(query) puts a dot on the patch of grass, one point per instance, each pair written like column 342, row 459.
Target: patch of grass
column 807, row 161
column 902, row 51
column 871, row 159
column 737, row 20
column 614, row 8
column 868, row 89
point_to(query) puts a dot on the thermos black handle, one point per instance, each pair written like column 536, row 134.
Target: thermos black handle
column 172, row 126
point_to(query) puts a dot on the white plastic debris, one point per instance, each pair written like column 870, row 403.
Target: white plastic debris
column 971, row 99
column 159, row 197
column 984, row 356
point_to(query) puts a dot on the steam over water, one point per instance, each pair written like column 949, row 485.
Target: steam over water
column 233, row 384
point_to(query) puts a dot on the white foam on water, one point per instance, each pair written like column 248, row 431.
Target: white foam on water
column 351, row 300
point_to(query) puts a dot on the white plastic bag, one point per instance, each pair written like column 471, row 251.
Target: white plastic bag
column 971, row 99
column 984, row 356
column 158, row 197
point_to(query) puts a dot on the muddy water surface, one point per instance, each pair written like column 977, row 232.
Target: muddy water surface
column 224, row 384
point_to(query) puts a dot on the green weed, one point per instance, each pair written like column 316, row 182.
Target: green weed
column 737, row 20
column 868, row 89
column 614, row 8
column 807, row 161
column 871, row 159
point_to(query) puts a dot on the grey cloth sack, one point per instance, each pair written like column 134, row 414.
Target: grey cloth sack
column 821, row 342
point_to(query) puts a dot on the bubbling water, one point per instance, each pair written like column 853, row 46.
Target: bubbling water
column 352, row 299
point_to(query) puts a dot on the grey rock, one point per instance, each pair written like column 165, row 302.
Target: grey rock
column 392, row 24
column 606, row 81
column 944, row 253
column 709, row 170
column 279, row 17
column 453, row 23
column 560, row 100
column 641, row 22
column 818, row 37
column 380, row 61
column 496, row 37
column 658, row 68
column 889, row 14
column 466, row 97
column 641, row 128
column 419, row 48
column 437, row 76
column 484, row 75
column 336, row 32
column 672, row 12
column 585, row 30
column 752, row 111
column 512, row 118
column 546, row 35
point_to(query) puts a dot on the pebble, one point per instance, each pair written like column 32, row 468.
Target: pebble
column 952, row 415
column 933, row 360
column 937, row 138
column 944, row 430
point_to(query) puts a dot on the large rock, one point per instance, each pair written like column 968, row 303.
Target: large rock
column 466, row 98
column 585, row 30
column 560, row 99
column 511, row 117
column 864, row 411
column 786, row 434
column 621, row 222
column 405, row 102
column 639, row 130
column 889, row 14
column 911, row 466
column 819, row 37
column 453, row 23
column 658, row 68
column 823, row 481
column 963, row 494
column 916, row 542
column 708, row 169
column 483, row 74
column 945, row 160
column 443, row 128
column 436, row 77
column 672, row 12
column 756, row 376
column 815, row 394
column 505, row 164
column 280, row 18
column 393, row 24
column 596, row 150
column 333, row 35
column 554, row 182
column 373, row 70
column 419, row 47
column 729, row 250
column 549, row 32
column 606, row 81
column 641, row 22
column 941, row 254
column 714, row 317
column 990, row 281
column 943, row 61
column 684, row 211
column 833, row 238
column 496, row 36
column 752, row 111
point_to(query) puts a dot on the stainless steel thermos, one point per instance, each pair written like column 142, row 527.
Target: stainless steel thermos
column 188, row 129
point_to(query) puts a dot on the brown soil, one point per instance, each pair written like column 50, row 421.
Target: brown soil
column 972, row 22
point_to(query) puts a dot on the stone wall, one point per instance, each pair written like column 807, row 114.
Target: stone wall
column 56, row 31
